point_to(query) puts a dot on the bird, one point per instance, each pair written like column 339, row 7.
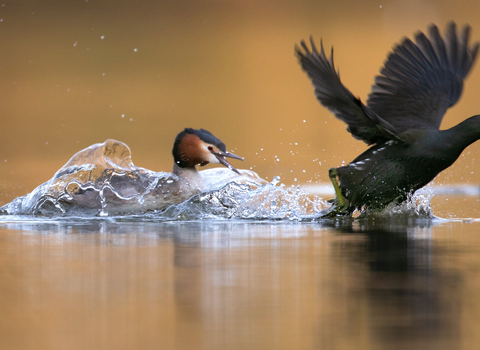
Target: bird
column 191, row 147
column 102, row 180
column 198, row 147
column 419, row 81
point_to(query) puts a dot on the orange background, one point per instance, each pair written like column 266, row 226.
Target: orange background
column 69, row 71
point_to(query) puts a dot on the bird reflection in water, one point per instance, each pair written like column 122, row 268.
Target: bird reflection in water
column 411, row 296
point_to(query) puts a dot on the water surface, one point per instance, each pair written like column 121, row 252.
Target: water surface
column 338, row 284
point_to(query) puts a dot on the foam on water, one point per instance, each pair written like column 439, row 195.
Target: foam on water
column 102, row 181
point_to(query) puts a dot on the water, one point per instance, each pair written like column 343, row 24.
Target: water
column 396, row 282
column 245, row 265
column 102, row 181
column 338, row 284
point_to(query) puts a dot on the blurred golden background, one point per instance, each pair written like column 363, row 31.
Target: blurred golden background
column 79, row 72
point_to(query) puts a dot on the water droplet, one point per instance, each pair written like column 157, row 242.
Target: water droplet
column 275, row 180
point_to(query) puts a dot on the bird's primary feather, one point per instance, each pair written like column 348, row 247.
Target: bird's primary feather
column 418, row 83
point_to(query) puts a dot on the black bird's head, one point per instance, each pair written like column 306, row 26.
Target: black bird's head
column 199, row 147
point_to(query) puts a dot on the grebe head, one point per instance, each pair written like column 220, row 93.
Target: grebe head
column 199, row 147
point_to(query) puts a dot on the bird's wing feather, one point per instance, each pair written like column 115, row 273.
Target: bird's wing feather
column 421, row 80
column 362, row 122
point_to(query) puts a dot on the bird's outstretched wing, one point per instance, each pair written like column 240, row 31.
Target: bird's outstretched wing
column 421, row 80
column 363, row 123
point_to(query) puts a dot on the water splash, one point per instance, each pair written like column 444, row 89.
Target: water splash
column 417, row 206
column 240, row 201
column 102, row 181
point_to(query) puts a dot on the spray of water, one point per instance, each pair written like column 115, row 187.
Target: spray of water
column 102, row 181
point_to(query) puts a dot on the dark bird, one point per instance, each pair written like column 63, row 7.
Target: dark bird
column 419, row 81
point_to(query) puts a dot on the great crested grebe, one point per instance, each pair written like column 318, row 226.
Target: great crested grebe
column 195, row 147
column 102, row 180
column 401, row 119
column 192, row 147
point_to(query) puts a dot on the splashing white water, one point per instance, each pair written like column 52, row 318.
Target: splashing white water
column 237, row 201
column 101, row 181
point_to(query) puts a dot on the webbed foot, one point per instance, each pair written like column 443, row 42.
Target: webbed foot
column 334, row 211
column 340, row 205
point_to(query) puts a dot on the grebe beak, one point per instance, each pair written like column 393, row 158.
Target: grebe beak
column 221, row 158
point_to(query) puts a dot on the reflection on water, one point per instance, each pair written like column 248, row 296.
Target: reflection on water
column 364, row 284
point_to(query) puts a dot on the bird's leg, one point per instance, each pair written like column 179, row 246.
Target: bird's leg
column 340, row 203
column 340, row 200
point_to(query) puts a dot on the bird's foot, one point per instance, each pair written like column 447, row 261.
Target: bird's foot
column 335, row 210
column 340, row 199
column 340, row 204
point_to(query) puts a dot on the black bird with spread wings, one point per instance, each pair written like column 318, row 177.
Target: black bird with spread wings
column 419, row 81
